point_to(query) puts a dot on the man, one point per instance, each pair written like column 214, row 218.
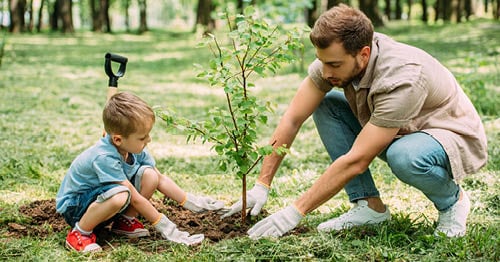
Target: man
column 398, row 103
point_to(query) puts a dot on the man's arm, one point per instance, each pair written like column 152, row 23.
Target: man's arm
column 305, row 101
column 369, row 143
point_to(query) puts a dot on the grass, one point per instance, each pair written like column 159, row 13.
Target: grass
column 53, row 88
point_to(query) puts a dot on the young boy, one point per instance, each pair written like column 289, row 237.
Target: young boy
column 115, row 179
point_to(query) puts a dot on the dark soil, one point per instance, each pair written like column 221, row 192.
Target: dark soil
column 43, row 220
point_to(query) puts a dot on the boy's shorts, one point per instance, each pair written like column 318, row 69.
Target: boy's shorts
column 79, row 204
column 137, row 178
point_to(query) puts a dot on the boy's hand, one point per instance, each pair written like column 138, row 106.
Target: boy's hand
column 199, row 204
column 169, row 231
column 256, row 198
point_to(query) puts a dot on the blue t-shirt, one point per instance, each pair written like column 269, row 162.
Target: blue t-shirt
column 98, row 165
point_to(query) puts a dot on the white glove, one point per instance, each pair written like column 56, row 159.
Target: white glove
column 169, row 231
column 276, row 224
column 199, row 204
column 256, row 198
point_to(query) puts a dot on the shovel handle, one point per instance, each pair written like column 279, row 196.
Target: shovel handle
column 113, row 78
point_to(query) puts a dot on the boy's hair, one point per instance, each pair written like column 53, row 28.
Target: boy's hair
column 124, row 113
column 342, row 24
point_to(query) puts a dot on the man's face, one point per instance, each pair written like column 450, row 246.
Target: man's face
column 339, row 67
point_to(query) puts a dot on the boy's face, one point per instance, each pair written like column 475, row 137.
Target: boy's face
column 135, row 142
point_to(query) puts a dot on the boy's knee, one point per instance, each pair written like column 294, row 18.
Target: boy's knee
column 150, row 178
column 120, row 200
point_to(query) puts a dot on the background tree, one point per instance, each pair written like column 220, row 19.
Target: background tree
column 16, row 12
column 370, row 8
column 204, row 16
column 143, row 21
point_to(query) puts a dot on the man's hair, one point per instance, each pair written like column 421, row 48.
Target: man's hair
column 345, row 25
column 124, row 113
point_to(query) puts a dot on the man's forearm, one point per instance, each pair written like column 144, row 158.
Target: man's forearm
column 338, row 174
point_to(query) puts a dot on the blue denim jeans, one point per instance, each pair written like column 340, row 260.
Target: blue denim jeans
column 80, row 203
column 417, row 159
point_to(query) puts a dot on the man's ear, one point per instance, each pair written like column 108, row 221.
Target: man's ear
column 364, row 55
column 116, row 139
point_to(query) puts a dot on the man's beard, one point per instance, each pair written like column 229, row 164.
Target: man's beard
column 356, row 73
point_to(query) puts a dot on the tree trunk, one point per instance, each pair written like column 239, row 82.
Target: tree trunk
column 104, row 15
column 40, row 17
column 30, row 14
column 203, row 17
column 311, row 14
column 143, row 25
column 370, row 8
column 66, row 15
column 456, row 11
column 239, row 6
column 387, row 9
column 16, row 11
column 468, row 9
column 127, row 15
column 425, row 15
column 410, row 4
column 497, row 12
column 399, row 10
column 95, row 14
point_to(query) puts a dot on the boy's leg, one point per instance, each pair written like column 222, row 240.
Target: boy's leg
column 419, row 160
column 146, row 183
column 338, row 128
column 89, row 210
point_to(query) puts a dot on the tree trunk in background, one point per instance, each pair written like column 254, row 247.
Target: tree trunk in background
column 311, row 14
column 143, row 16
column 497, row 13
column 16, row 11
column 40, row 16
column 410, row 4
column 104, row 15
column 425, row 15
column 66, row 15
column 54, row 16
column 95, row 14
column 239, row 6
column 387, row 9
column 456, row 11
column 126, row 6
column 31, row 21
column 443, row 10
column 399, row 10
column 468, row 9
column 203, row 17
column 370, row 8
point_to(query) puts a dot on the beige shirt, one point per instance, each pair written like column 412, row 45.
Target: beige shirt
column 405, row 87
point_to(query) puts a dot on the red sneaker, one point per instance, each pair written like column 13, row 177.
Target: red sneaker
column 81, row 243
column 130, row 228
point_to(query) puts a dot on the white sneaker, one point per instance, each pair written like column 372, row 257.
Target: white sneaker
column 359, row 215
column 453, row 222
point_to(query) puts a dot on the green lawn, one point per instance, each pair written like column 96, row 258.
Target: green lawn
column 53, row 88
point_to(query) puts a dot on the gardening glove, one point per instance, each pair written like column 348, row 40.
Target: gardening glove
column 169, row 231
column 199, row 204
column 256, row 198
column 276, row 224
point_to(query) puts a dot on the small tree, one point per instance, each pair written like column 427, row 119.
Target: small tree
column 255, row 48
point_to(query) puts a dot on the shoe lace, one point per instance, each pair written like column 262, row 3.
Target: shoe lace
column 350, row 213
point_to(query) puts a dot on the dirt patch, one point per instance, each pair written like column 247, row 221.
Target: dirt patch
column 42, row 220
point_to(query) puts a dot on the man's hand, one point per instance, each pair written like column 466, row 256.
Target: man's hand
column 276, row 224
column 199, row 204
column 169, row 231
column 256, row 198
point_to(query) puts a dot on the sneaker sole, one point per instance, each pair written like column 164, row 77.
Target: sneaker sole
column 70, row 247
